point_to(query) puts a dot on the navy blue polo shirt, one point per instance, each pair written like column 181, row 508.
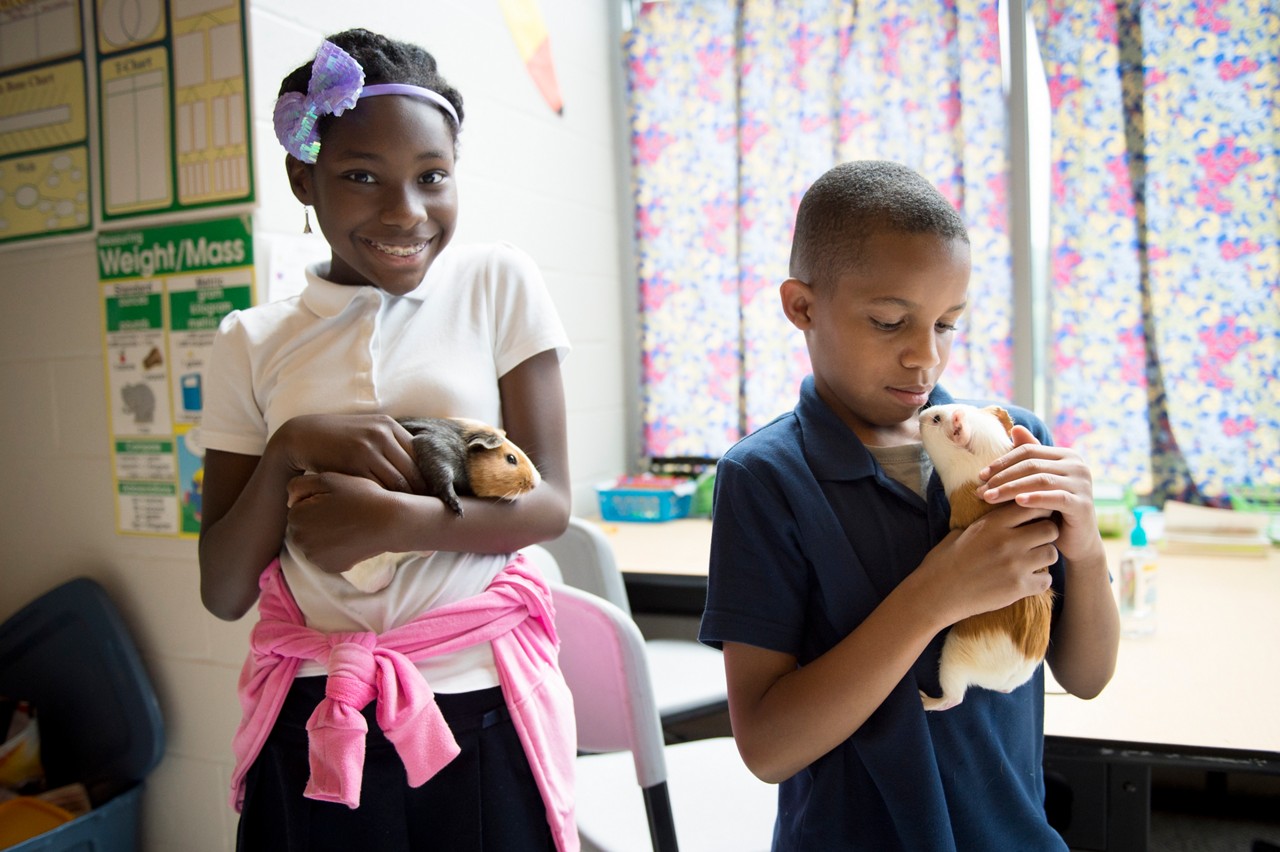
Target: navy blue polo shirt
column 809, row 536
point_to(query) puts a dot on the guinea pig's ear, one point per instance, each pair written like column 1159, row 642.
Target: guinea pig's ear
column 1003, row 417
column 483, row 439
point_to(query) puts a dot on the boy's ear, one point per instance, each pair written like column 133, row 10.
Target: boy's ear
column 299, row 178
column 797, row 302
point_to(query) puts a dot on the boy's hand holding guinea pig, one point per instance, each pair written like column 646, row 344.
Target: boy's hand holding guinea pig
column 1052, row 478
column 996, row 560
column 1086, row 636
column 373, row 446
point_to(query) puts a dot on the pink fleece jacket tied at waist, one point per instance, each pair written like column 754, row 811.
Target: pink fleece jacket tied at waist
column 514, row 614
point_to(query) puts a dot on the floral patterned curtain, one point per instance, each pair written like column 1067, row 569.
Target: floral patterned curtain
column 1166, row 240
column 736, row 107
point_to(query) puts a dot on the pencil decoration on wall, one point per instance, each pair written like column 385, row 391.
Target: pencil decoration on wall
column 524, row 19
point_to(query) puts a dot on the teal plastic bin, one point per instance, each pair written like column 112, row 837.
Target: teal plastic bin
column 69, row 653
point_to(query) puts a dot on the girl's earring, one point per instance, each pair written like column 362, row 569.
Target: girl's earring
column 306, row 213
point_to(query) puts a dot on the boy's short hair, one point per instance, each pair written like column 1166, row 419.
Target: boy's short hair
column 854, row 200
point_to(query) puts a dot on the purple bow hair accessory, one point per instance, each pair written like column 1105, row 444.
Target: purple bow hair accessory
column 336, row 81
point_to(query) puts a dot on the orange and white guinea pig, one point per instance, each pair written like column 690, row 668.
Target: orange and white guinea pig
column 998, row 650
column 456, row 456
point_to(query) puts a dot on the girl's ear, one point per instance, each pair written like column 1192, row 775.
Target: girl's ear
column 299, row 178
column 797, row 302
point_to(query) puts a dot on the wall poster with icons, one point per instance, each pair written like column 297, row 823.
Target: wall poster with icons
column 118, row 109
column 44, row 121
column 164, row 291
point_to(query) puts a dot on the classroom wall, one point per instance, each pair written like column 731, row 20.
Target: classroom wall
column 549, row 184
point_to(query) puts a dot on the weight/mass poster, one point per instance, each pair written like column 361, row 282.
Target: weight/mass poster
column 44, row 136
column 164, row 291
column 173, row 105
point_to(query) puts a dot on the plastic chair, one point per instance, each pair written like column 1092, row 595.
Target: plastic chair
column 699, row 792
column 688, row 677
column 69, row 653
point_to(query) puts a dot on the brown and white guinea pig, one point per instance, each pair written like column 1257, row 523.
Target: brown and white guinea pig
column 456, row 457
column 997, row 650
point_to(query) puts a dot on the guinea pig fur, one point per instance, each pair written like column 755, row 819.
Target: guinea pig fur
column 468, row 457
column 998, row 650
column 456, row 457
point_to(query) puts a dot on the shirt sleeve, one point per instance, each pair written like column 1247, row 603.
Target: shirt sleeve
column 231, row 420
column 758, row 578
column 526, row 320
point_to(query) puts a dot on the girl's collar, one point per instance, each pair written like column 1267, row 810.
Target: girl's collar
column 327, row 299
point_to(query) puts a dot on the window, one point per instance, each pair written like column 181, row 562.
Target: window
column 1161, row 305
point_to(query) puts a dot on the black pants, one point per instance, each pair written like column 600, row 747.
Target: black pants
column 484, row 799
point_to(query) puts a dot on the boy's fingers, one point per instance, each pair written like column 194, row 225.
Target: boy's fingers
column 1022, row 435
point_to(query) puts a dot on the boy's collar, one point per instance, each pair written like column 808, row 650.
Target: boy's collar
column 833, row 451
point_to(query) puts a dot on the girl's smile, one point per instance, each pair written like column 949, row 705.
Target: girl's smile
column 398, row 251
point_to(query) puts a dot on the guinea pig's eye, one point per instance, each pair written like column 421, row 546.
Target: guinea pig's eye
column 511, row 459
column 937, row 418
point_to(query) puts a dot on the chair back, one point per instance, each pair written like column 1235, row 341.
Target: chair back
column 544, row 562
column 586, row 561
column 603, row 659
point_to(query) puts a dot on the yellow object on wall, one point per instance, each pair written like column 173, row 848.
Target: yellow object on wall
column 524, row 19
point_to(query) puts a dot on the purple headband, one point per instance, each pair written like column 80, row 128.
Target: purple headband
column 337, row 82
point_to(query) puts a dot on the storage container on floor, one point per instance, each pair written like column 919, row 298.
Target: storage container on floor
column 70, row 654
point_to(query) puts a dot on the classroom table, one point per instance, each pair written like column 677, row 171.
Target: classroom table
column 1202, row 691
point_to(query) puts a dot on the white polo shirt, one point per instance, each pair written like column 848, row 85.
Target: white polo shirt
column 435, row 352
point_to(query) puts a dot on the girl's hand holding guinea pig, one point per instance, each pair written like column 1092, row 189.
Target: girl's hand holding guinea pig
column 373, row 446
column 1050, row 478
column 338, row 519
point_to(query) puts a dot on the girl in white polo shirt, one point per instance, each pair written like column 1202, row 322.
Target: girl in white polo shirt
column 469, row 740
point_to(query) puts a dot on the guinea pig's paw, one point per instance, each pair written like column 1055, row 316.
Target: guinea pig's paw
column 935, row 704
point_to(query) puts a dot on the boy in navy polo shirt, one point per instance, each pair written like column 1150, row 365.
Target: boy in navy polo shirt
column 833, row 574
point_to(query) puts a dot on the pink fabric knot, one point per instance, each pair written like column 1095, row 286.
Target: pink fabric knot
column 352, row 669
column 337, row 728
column 361, row 670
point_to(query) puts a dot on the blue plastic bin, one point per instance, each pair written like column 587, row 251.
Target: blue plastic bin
column 624, row 500
column 70, row 654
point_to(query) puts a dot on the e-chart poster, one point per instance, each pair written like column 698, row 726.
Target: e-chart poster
column 44, row 135
column 164, row 291
column 173, row 105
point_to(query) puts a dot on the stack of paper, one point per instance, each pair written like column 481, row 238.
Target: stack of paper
column 1203, row 529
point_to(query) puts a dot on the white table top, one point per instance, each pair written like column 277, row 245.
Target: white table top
column 1209, row 676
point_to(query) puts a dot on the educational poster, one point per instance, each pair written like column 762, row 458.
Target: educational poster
column 164, row 291
column 44, row 153
column 173, row 105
